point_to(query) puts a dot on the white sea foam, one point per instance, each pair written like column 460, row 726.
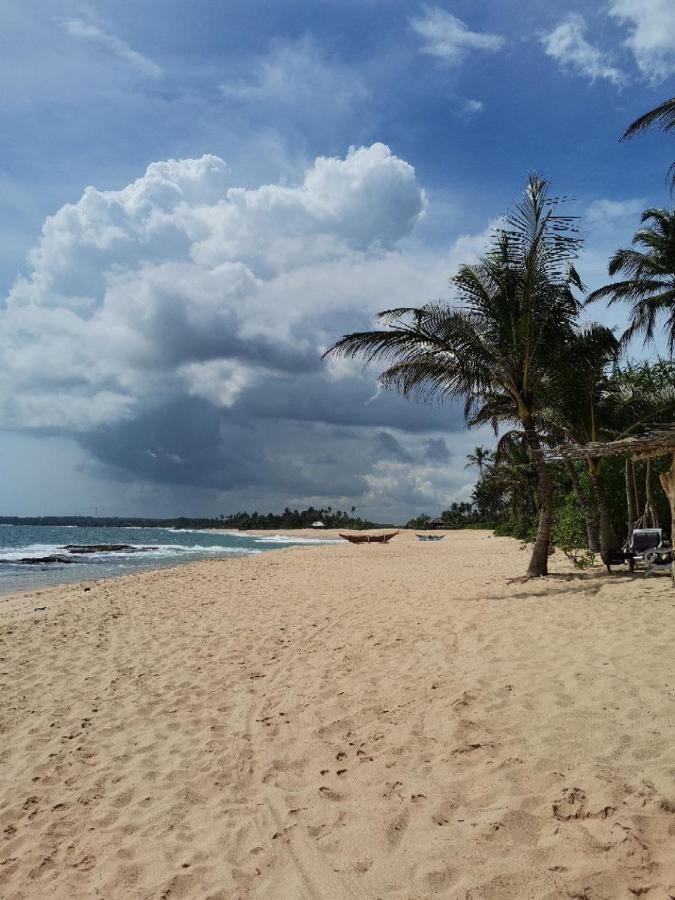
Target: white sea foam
column 31, row 551
column 158, row 551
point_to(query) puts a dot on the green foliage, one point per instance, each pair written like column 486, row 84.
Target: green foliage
column 293, row 518
column 289, row 518
column 459, row 515
column 419, row 522
column 569, row 528
column 648, row 285
column 523, row 530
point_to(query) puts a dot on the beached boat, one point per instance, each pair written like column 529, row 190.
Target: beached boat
column 369, row 538
column 429, row 537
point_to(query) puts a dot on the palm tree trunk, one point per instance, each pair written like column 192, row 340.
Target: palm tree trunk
column 608, row 542
column 631, row 495
column 649, row 494
column 636, row 491
column 586, row 510
column 539, row 559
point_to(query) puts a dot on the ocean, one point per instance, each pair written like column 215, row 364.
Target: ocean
column 34, row 556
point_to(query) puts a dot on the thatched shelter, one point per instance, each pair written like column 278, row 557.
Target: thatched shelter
column 659, row 441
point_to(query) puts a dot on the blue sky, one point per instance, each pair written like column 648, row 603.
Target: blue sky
column 160, row 344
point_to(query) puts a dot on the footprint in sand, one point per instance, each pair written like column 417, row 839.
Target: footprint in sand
column 443, row 813
column 330, row 794
column 396, row 829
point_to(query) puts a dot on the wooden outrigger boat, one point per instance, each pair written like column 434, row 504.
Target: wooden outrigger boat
column 369, row 538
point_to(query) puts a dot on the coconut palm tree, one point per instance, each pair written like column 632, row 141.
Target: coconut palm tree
column 479, row 458
column 663, row 116
column 650, row 285
column 578, row 410
column 499, row 346
column 514, row 470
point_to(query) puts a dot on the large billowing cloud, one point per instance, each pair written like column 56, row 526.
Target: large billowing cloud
column 176, row 328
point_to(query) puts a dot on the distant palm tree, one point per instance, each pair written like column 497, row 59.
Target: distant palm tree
column 479, row 458
column 663, row 117
column 650, row 285
column 498, row 349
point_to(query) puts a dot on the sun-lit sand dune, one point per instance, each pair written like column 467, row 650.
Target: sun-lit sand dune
column 341, row 722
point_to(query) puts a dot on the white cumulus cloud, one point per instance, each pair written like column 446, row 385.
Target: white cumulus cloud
column 447, row 38
column 567, row 44
column 181, row 284
column 652, row 34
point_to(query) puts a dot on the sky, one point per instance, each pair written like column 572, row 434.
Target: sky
column 197, row 198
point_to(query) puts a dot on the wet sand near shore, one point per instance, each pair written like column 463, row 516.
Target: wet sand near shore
column 341, row 722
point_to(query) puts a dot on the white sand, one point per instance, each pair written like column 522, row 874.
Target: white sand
column 348, row 721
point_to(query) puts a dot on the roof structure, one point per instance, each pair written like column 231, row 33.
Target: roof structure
column 657, row 442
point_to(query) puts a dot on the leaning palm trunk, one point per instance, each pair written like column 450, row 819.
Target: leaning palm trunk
column 539, row 559
column 587, row 512
column 608, row 541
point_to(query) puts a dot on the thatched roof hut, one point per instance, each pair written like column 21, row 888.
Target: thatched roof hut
column 659, row 441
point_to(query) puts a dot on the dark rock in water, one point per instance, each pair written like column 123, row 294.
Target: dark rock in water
column 39, row 560
column 105, row 548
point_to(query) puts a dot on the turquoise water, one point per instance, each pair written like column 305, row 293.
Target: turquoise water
column 149, row 548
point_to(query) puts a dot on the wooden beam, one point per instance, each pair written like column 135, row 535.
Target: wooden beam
column 653, row 454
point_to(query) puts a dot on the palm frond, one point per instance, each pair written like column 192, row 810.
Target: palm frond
column 663, row 116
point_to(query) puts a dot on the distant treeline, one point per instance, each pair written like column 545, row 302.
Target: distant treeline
column 460, row 515
column 296, row 518
column 289, row 518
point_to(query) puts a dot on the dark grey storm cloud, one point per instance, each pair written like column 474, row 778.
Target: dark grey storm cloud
column 436, row 451
column 175, row 328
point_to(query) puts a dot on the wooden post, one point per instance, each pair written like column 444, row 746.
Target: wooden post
column 630, row 497
column 668, row 484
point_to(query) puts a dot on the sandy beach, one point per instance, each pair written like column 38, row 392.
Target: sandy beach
column 341, row 722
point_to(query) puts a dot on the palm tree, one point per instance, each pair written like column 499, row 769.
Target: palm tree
column 479, row 458
column 578, row 411
column 514, row 470
column 663, row 116
column 497, row 350
column 650, row 285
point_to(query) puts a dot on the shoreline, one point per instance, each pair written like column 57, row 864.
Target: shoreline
column 342, row 721
column 7, row 590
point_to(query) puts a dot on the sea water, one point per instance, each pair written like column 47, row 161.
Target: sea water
column 22, row 547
